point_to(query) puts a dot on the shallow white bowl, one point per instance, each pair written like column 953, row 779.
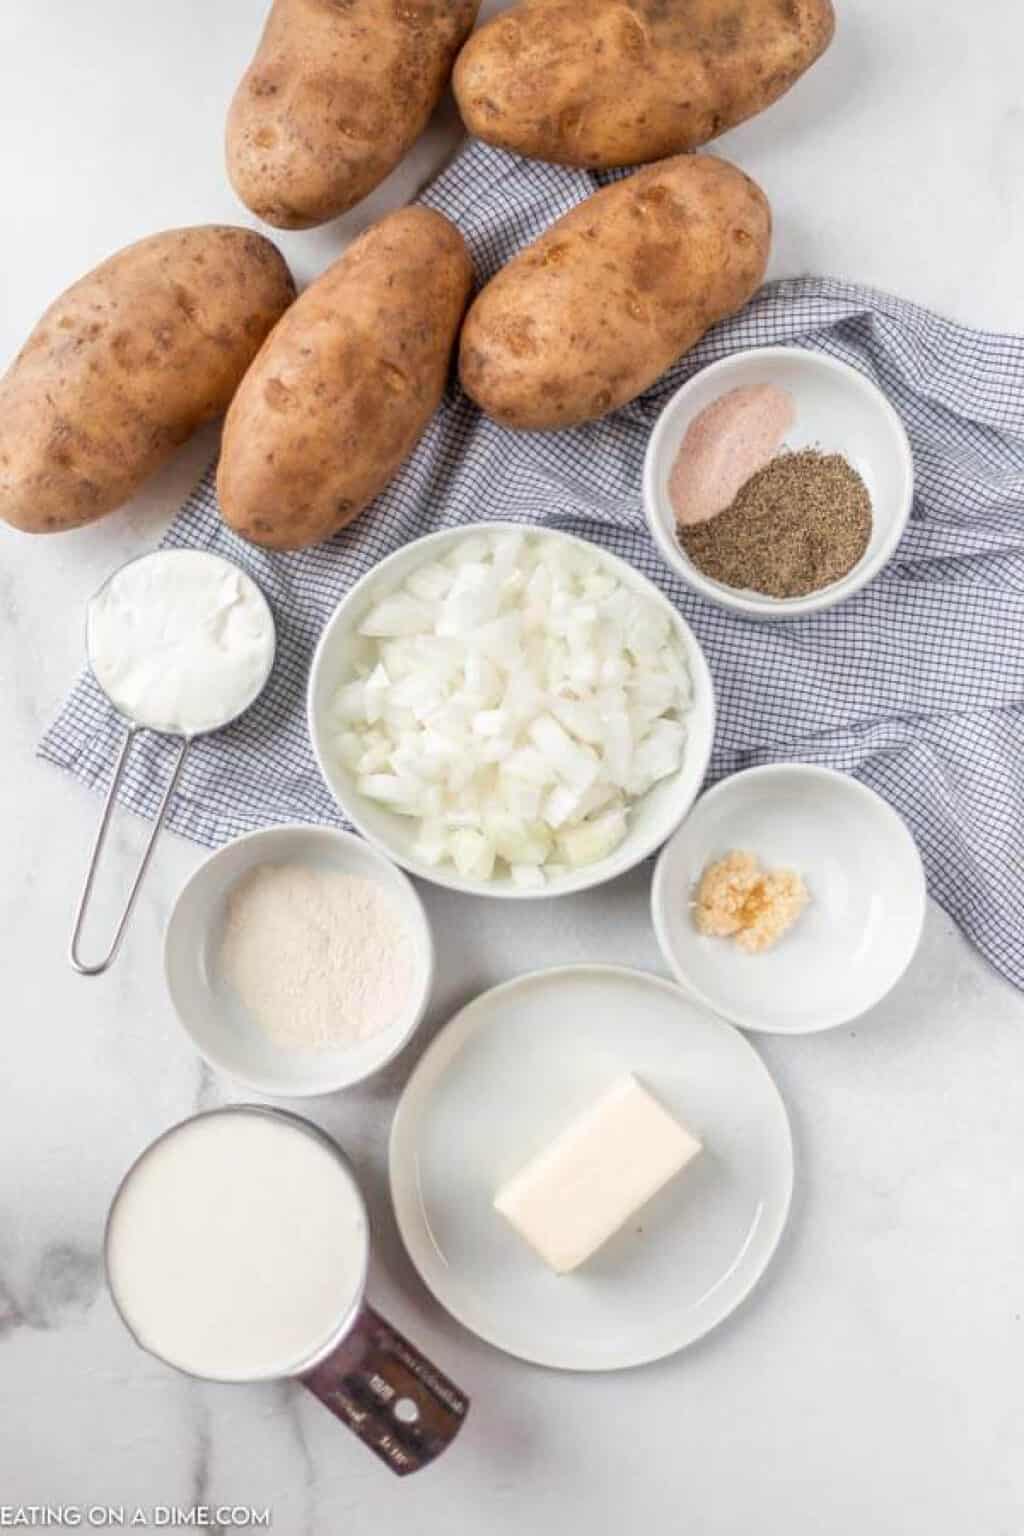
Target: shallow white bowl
column 210, row 1010
column 854, row 940
column 837, row 410
column 652, row 818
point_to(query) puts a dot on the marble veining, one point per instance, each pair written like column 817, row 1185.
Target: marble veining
column 62, row 1285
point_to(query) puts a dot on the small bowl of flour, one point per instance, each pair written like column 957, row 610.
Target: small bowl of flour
column 299, row 960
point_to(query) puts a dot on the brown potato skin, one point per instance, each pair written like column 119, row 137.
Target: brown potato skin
column 620, row 82
column 614, row 292
column 337, row 92
column 126, row 364
column 345, row 385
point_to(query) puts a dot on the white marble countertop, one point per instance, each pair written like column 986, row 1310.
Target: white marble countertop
column 872, row 1385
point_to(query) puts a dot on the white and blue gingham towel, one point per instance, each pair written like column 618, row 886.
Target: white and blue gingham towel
column 916, row 685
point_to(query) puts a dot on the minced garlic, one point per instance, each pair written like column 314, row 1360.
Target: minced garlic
column 738, row 899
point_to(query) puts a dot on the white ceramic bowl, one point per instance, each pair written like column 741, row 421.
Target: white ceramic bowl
column 837, row 410
column 854, row 940
column 652, row 818
column 208, row 1007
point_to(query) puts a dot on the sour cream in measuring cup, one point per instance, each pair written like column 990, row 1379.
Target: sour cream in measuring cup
column 180, row 641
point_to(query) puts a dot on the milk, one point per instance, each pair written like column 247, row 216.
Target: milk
column 237, row 1246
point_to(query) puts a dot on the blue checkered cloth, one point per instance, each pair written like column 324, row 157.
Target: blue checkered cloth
column 916, row 685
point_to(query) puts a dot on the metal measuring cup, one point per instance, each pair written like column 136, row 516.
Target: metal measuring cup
column 136, row 724
column 369, row 1375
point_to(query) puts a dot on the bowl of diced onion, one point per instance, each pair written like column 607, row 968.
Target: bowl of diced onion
column 510, row 711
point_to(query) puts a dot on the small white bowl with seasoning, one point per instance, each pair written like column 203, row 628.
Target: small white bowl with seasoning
column 510, row 711
column 298, row 960
column 791, row 900
column 778, row 482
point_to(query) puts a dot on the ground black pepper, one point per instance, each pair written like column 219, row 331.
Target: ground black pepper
column 799, row 524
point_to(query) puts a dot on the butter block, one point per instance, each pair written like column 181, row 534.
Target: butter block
column 573, row 1195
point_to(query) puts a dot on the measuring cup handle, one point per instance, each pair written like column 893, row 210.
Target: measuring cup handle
column 99, row 966
column 399, row 1404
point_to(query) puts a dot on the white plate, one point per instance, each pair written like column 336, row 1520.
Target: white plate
column 651, row 818
column 502, row 1079
column 213, row 1015
column 837, row 410
column 867, row 887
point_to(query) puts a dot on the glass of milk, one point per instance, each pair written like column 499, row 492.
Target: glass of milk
column 237, row 1249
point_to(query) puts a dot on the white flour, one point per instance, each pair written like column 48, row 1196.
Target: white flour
column 319, row 958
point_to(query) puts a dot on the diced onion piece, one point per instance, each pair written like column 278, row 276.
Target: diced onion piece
column 673, row 665
column 491, row 722
column 496, row 749
column 460, row 774
column 350, row 702
column 650, row 696
column 350, row 748
column 521, row 797
column 598, row 584
column 398, row 615
column 618, row 746
column 400, row 657
column 509, row 551
column 658, row 754
column 528, row 877
column 615, row 670
column 375, row 693
column 472, row 550
column 455, row 821
column 519, row 842
column 472, row 854
column 377, row 754
column 500, row 639
column 646, row 628
column 577, row 766
column 431, row 844
column 483, row 679
column 597, row 798
column 579, row 717
column 592, row 840
column 430, row 582
column 529, row 764
column 560, row 805
column 391, row 790
column 473, row 600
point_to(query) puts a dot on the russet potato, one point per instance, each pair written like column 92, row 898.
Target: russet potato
column 343, row 388
column 620, row 82
column 126, row 364
column 337, row 92
column 589, row 315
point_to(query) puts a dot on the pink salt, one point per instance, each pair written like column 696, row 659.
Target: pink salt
column 730, row 440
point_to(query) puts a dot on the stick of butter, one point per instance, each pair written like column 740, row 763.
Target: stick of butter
column 595, row 1175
